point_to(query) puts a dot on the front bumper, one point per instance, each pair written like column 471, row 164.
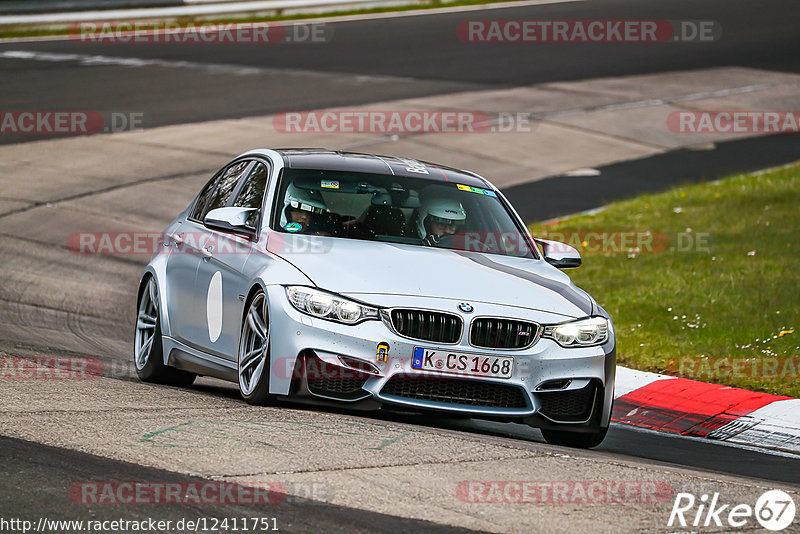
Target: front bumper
column 582, row 374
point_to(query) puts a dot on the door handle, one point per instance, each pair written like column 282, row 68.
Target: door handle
column 176, row 238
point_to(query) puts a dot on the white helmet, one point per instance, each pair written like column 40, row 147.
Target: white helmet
column 302, row 199
column 439, row 209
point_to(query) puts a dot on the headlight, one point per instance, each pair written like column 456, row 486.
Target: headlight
column 329, row 306
column 583, row 333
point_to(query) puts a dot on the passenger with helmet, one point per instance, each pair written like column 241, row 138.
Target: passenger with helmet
column 439, row 216
column 301, row 210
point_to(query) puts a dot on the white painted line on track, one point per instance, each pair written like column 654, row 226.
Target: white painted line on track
column 88, row 60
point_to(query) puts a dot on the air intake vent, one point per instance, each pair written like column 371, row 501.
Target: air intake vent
column 427, row 325
column 456, row 391
column 492, row 333
column 334, row 381
column 573, row 405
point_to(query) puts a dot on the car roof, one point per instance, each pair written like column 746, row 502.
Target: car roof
column 324, row 159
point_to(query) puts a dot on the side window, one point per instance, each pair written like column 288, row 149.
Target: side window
column 252, row 191
column 218, row 195
column 202, row 199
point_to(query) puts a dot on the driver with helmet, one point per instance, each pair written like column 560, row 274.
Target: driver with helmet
column 438, row 217
column 302, row 207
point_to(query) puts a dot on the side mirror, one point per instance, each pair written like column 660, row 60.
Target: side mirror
column 559, row 255
column 230, row 220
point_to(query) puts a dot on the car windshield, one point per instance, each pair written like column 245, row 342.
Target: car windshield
column 397, row 209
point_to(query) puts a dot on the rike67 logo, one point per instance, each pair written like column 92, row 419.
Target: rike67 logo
column 774, row 510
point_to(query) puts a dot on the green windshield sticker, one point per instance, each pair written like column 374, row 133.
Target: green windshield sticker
column 478, row 190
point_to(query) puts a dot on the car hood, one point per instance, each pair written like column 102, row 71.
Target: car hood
column 354, row 267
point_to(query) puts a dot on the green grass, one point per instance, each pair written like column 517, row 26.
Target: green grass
column 683, row 311
column 42, row 30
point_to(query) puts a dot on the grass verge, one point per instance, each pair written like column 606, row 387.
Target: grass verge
column 713, row 291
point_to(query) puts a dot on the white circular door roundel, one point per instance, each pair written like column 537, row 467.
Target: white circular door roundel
column 214, row 307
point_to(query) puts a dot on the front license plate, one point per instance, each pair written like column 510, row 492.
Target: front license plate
column 460, row 363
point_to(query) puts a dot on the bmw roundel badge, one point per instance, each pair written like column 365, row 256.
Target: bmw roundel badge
column 466, row 307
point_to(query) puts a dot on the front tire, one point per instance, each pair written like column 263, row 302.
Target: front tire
column 580, row 440
column 148, row 353
column 254, row 354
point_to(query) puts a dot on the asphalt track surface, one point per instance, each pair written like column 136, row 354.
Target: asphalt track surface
column 386, row 59
column 416, row 56
column 555, row 196
column 33, row 473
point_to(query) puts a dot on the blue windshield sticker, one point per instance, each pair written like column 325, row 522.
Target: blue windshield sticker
column 293, row 227
column 330, row 184
column 487, row 192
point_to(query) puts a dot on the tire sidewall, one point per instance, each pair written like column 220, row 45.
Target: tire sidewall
column 260, row 394
column 155, row 370
column 154, row 366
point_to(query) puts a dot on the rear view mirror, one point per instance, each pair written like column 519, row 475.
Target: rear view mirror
column 559, row 255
